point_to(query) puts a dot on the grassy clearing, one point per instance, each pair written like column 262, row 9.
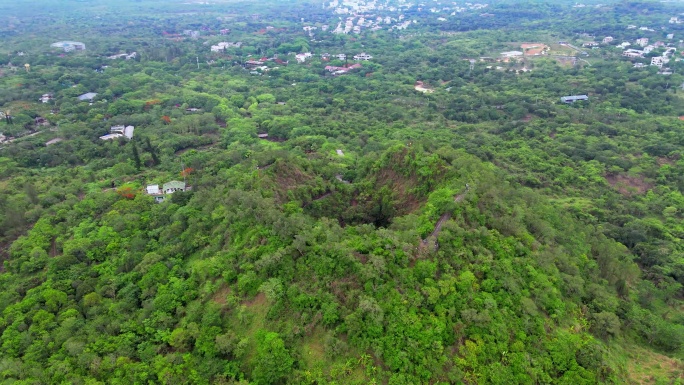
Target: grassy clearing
column 648, row 367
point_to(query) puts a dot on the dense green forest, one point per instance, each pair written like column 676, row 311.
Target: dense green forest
column 433, row 215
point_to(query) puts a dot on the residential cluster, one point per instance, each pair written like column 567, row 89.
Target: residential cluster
column 647, row 48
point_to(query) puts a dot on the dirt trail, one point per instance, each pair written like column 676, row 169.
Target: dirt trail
column 438, row 226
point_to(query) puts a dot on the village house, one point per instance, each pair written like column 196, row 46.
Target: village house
column 342, row 70
column 639, row 65
column 119, row 131
column 253, row 63
column 45, row 98
column 607, row 40
column 590, row 44
column 363, row 56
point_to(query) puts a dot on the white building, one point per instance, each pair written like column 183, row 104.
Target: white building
column 119, row 131
column 363, row 56
column 642, row 42
column 633, row 53
column 607, row 39
column 224, row 44
column 301, row 57
column 69, row 46
column 126, row 56
column 659, row 61
column 509, row 54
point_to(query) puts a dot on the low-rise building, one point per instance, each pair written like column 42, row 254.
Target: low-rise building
column 160, row 194
column 127, row 56
column 87, row 96
column 225, row 44
column 118, row 132
column 301, row 57
column 509, row 54
column 363, row 56
column 607, row 40
column 40, row 121
column 574, row 98
column 633, row 53
column 659, row 61
column 45, row 98
column 69, row 46
column 642, row 42
column 53, row 141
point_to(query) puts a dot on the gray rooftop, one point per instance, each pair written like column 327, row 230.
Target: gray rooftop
column 88, row 96
column 573, row 98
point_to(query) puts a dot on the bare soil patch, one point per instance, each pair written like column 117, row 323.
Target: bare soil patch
column 628, row 185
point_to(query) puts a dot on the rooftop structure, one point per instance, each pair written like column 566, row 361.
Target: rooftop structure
column 173, row 186
column 301, row 57
column 87, row 96
column 225, row 44
column 53, row 141
column 363, row 56
column 511, row 53
column 126, row 56
column 118, row 132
